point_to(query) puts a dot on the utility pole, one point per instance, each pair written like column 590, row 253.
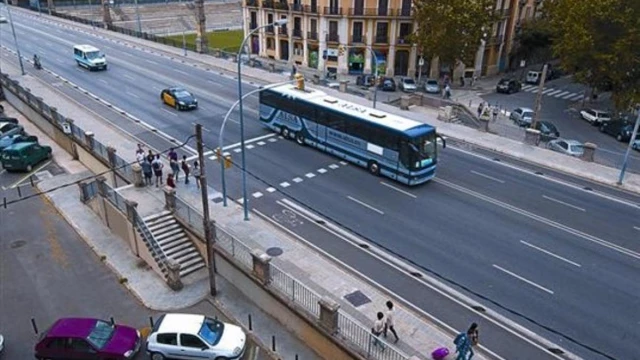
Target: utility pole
column 538, row 106
column 15, row 39
column 209, row 226
column 626, row 154
column 202, row 43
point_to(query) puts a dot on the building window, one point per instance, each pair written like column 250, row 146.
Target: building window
column 382, row 32
column 357, row 32
column 269, row 29
column 406, row 8
column 358, row 7
column 383, row 7
column 254, row 20
column 270, row 44
column 313, row 25
column 405, row 31
column 297, row 26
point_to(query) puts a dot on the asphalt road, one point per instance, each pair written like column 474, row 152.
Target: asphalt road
column 565, row 114
column 558, row 259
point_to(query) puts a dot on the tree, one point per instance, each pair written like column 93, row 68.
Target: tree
column 533, row 42
column 599, row 40
column 452, row 29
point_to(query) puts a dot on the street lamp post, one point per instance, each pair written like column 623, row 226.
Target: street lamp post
column 220, row 139
column 245, row 200
column 626, row 154
column 15, row 39
column 375, row 74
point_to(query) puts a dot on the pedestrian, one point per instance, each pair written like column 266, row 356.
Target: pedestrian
column 479, row 109
column 147, row 171
column 473, row 334
column 495, row 113
column 170, row 182
column 461, row 80
column 377, row 329
column 447, row 92
column 157, row 169
column 140, row 154
column 175, row 167
column 185, row 168
column 473, row 80
column 150, row 156
column 388, row 324
column 196, row 173
column 173, row 155
column 463, row 347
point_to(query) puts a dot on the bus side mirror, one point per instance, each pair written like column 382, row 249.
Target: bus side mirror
column 444, row 141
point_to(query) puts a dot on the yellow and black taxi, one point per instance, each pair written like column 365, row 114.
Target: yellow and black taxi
column 179, row 98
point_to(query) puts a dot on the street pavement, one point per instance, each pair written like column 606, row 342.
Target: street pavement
column 470, row 201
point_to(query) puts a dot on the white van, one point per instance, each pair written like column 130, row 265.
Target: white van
column 90, row 57
column 533, row 77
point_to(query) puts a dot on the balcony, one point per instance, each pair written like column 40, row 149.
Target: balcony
column 252, row 3
column 296, row 7
column 311, row 9
column 297, row 33
column 368, row 12
column 282, row 30
column 404, row 12
column 382, row 39
column 334, row 38
column 358, row 39
column 253, row 26
column 312, row 35
column 403, row 40
column 332, row 11
column 268, row 4
column 281, row 6
column 269, row 30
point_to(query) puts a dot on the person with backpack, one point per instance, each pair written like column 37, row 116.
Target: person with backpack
column 157, row 170
column 197, row 173
column 147, row 171
column 185, row 169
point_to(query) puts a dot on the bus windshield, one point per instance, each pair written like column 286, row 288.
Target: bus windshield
column 425, row 149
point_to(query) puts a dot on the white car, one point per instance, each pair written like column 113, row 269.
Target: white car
column 636, row 144
column 1, row 343
column 567, row 147
column 595, row 117
column 190, row 336
column 408, row 85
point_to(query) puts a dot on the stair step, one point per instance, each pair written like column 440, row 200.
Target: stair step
column 161, row 221
column 155, row 216
column 188, row 256
column 167, row 234
column 177, row 251
column 168, row 238
column 195, row 260
column 158, row 229
column 191, row 269
column 178, row 241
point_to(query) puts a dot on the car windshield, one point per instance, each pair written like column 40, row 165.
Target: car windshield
column 101, row 333
column 92, row 55
column 409, row 81
column 424, row 148
column 432, row 82
column 576, row 149
column 527, row 114
column 211, row 331
column 604, row 115
column 504, row 82
column 182, row 94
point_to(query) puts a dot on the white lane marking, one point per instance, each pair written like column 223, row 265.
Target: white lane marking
column 577, row 97
column 250, row 147
column 273, row 140
column 527, row 87
column 333, row 166
column 270, row 189
column 129, row 77
column 553, row 92
column 132, row 94
column 151, row 61
column 169, row 112
column 257, row 194
column 523, row 279
column 285, row 184
column 547, row 91
column 561, row 94
column 237, row 150
column 564, row 203
column 249, row 141
column 322, row 171
column 24, row 178
column 103, row 81
column 344, row 162
column 487, row 176
column 261, row 143
column 297, row 180
column 568, row 96
column 550, row 253
column 532, row 89
column 310, row 175
column 637, row 228
column 180, row 72
column 398, row 189
column 365, row 205
column 541, row 219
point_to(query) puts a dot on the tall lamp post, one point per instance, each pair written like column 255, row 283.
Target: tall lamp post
column 245, row 200
column 15, row 39
column 375, row 63
column 625, row 160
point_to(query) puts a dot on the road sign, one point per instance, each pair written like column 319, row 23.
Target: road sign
column 523, row 63
column 421, row 62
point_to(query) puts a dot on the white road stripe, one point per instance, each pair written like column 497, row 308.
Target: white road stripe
column 398, row 190
column 249, row 146
column 333, row 166
column 487, row 176
column 547, row 91
column 257, row 194
column 553, row 93
column 564, row 203
column 285, row 184
column 129, row 77
column 637, row 228
column 322, row 171
column 532, row 89
column 297, row 180
column 261, row 143
column 344, row 162
column 249, row 141
column 523, row 279
column 270, row 189
column 132, row 94
column 365, row 205
column 550, row 253
column 310, row 175
column 562, row 94
column 526, row 87
column 237, row 150
column 577, row 97
column 103, row 81
column 180, row 72
column 169, row 112
column 151, row 61
column 568, row 96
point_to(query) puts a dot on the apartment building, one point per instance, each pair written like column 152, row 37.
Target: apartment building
column 317, row 29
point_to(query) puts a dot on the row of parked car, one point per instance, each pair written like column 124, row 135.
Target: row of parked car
column 405, row 84
column 620, row 127
column 173, row 336
column 19, row 151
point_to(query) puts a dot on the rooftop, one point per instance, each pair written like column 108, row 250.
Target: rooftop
column 181, row 323
column 73, row 327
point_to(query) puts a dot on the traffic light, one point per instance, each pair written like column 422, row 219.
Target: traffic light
column 299, row 81
column 227, row 161
column 218, row 153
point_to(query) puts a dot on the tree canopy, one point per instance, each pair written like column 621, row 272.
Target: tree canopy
column 533, row 42
column 599, row 40
column 452, row 29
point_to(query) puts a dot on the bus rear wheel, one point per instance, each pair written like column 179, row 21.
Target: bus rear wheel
column 374, row 168
column 300, row 138
column 285, row 132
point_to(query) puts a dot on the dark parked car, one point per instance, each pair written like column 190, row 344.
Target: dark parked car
column 9, row 126
column 365, row 80
column 388, row 84
column 621, row 129
column 15, row 139
column 508, row 86
column 87, row 339
column 548, row 131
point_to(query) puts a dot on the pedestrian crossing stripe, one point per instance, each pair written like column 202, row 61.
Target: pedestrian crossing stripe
column 561, row 94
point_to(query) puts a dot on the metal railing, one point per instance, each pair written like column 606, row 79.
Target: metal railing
column 152, row 244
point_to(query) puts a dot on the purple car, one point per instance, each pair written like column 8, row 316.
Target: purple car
column 87, row 339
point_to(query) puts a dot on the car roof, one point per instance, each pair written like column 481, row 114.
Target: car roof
column 181, row 323
column 177, row 88
column 72, row 327
column 86, row 48
column 19, row 146
column 570, row 142
column 526, row 109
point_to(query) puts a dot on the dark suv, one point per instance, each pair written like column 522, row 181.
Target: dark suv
column 548, row 131
column 365, row 80
column 621, row 129
column 508, row 86
column 388, row 84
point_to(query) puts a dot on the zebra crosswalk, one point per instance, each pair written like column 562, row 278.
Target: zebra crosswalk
column 553, row 92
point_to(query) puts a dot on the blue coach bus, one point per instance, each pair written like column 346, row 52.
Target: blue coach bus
column 389, row 145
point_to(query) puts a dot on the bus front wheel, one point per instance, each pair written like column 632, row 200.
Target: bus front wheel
column 374, row 168
column 300, row 138
column 285, row 132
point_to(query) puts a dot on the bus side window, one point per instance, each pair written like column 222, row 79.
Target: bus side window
column 405, row 153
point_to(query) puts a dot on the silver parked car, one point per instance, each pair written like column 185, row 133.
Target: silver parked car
column 522, row 116
column 567, row 147
column 407, row 85
column 636, row 144
column 431, row 86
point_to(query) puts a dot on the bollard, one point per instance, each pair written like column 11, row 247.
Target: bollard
column 19, row 191
column 273, row 343
column 112, row 321
column 31, row 180
column 151, row 321
column 33, row 324
column 250, row 323
column 4, row 202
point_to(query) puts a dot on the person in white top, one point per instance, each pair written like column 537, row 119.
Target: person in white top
column 377, row 329
column 388, row 325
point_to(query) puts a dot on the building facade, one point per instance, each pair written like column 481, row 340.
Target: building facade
column 318, row 29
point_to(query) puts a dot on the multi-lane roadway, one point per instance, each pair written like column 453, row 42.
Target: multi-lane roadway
column 553, row 257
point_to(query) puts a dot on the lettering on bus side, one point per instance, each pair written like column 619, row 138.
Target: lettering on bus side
column 345, row 138
column 286, row 118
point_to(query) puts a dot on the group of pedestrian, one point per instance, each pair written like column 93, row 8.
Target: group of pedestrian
column 488, row 111
column 152, row 165
column 383, row 325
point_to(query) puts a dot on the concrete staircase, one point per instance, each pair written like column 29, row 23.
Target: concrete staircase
column 174, row 242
